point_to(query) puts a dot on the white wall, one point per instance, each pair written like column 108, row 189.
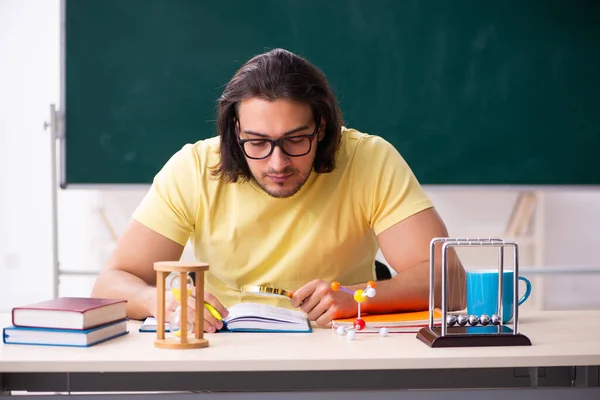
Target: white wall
column 572, row 238
column 29, row 83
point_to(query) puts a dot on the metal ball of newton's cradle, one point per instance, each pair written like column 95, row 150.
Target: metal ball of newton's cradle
column 451, row 320
column 495, row 319
column 484, row 319
column 462, row 320
column 473, row 320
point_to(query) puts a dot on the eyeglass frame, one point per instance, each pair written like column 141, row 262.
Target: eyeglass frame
column 277, row 142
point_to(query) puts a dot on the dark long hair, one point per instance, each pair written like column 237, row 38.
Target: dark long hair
column 277, row 74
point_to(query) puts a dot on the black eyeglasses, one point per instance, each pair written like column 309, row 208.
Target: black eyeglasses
column 293, row 146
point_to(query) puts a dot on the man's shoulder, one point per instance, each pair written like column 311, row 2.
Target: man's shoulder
column 192, row 161
column 356, row 143
column 200, row 154
column 206, row 148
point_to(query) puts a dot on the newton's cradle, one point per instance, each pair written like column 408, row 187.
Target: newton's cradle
column 473, row 330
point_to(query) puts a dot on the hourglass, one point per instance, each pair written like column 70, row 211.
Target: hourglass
column 179, row 282
column 174, row 284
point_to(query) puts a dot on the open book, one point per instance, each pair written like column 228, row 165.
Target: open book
column 254, row 317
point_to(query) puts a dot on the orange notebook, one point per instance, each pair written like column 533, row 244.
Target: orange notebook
column 397, row 322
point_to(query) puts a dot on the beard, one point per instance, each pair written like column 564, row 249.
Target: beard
column 282, row 190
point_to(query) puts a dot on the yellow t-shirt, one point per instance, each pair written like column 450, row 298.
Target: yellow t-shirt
column 327, row 230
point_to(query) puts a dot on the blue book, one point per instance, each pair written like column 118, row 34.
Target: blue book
column 254, row 317
column 64, row 337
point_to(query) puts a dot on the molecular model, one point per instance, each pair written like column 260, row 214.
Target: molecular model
column 359, row 296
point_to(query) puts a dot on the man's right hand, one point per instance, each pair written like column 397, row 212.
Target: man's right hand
column 211, row 324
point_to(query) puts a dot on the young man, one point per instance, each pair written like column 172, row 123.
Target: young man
column 285, row 196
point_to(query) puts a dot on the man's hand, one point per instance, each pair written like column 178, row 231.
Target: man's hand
column 211, row 324
column 322, row 304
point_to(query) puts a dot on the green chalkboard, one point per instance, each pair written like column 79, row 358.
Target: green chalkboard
column 470, row 92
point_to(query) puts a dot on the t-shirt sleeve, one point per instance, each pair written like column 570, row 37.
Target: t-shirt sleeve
column 171, row 205
column 391, row 191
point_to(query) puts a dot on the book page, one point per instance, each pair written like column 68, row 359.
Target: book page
column 256, row 311
column 150, row 324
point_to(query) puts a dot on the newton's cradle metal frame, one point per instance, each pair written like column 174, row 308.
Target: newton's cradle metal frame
column 471, row 336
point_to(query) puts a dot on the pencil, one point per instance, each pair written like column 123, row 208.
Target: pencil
column 213, row 311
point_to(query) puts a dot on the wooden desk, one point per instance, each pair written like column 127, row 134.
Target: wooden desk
column 565, row 353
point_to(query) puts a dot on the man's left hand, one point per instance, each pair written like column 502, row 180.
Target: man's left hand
column 322, row 304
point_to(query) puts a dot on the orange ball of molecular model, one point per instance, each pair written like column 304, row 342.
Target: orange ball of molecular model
column 359, row 296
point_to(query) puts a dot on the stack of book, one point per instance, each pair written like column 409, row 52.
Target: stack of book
column 406, row 322
column 67, row 321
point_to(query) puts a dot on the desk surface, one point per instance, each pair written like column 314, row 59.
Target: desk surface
column 559, row 339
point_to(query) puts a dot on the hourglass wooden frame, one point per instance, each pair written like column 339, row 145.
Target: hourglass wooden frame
column 163, row 270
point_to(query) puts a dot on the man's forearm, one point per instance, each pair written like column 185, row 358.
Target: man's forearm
column 116, row 284
column 409, row 291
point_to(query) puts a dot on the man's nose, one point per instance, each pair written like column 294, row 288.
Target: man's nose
column 278, row 160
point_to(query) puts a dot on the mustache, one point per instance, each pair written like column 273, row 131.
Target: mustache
column 286, row 171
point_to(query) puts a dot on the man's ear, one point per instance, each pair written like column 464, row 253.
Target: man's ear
column 322, row 126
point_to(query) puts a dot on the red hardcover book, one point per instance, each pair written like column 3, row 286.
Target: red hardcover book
column 69, row 313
